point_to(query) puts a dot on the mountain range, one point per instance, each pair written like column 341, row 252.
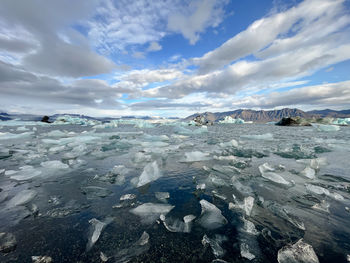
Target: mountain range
column 270, row 115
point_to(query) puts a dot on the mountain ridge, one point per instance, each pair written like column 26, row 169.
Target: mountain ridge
column 270, row 115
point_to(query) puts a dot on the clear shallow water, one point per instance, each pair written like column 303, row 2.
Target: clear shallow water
column 47, row 205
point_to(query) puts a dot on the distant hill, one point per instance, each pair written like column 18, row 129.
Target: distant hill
column 270, row 115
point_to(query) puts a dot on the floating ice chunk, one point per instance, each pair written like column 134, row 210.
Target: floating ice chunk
column 95, row 231
column 229, row 119
column 323, row 206
column 249, row 227
column 265, row 136
column 196, row 156
column 22, row 128
column 308, row 172
column 267, row 172
column 150, row 173
column 175, row 225
column 326, row 128
column 211, row 217
column 8, row 242
column 232, row 143
column 200, row 187
column 149, row 212
column 217, row 195
column 300, row 252
column 41, row 259
column 141, row 157
column 248, row 204
column 245, row 253
column 162, row 196
column 127, row 197
column 25, row 173
column 11, row 136
column 56, row 165
column 22, row 198
column 317, row 189
column 215, row 244
column 56, row 133
column 66, row 119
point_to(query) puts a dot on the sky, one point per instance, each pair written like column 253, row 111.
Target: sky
column 173, row 57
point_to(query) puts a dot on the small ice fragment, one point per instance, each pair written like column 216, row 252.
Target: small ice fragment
column 175, row 225
column 127, row 197
column 149, row 212
column 249, row 227
column 215, row 244
column 308, row 172
column 41, row 259
column 144, row 239
column 211, row 217
column 300, row 252
column 22, row 198
column 8, row 242
column 150, row 173
column 196, row 156
column 95, row 231
column 248, row 205
column 323, row 206
column 232, row 143
column 245, row 253
column 200, row 187
column 103, row 257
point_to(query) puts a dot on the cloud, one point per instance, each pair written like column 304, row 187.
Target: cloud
column 310, row 22
column 197, row 18
column 17, row 85
column 165, row 104
column 58, row 50
column 296, row 54
column 326, row 95
column 154, row 46
column 139, row 55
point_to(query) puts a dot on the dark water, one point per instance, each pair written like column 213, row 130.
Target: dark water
column 55, row 221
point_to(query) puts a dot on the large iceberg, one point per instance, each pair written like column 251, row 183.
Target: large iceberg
column 229, row 119
column 67, row 119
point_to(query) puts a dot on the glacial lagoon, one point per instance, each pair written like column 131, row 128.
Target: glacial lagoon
column 170, row 192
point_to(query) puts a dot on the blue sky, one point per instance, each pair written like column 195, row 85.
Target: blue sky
column 173, row 58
